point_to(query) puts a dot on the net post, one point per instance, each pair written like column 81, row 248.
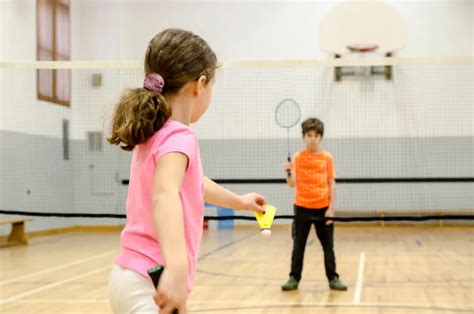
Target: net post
column 440, row 221
column 337, row 70
column 388, row 68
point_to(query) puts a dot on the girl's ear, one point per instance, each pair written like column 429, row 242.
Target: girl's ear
column 199, row 85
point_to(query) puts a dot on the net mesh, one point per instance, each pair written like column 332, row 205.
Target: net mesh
column 401, row 147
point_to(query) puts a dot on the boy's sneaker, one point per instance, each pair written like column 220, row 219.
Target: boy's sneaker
column 336, row 284
column 291, row 284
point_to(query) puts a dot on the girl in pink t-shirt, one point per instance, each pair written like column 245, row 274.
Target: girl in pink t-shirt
column 167, row 189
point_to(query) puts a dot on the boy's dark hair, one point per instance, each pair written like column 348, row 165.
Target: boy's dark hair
column 313, row 124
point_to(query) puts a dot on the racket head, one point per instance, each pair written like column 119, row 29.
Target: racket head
column 287, row 113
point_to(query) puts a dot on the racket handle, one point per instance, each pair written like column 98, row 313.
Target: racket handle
column 288, row 172
column 155, row 274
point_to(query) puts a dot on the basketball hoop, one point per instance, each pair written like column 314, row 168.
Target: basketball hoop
column 362, row 50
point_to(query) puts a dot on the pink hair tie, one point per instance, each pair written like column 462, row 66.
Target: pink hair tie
column 154, row 83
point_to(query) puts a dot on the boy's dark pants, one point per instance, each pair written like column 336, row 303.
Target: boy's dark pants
column 301, row 227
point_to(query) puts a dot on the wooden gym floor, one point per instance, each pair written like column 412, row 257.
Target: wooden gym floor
column 388, row 270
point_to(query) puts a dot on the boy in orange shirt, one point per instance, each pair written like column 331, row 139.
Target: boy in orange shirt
column 312, row 174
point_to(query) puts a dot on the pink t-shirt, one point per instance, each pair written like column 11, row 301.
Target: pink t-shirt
column 140, row 249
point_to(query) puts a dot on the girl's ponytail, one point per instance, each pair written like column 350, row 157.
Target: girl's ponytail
column 139, row 114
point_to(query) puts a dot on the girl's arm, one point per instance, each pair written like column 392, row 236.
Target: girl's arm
column 220, row 196
column 168, row 218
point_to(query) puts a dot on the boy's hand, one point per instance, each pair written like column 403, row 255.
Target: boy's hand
column 252, row 201
column 287, row 168
column 329, row 213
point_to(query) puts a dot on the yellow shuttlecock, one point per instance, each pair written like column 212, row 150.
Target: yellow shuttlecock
column 265, row 220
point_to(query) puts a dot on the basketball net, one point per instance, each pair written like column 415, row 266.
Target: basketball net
column 362, row 50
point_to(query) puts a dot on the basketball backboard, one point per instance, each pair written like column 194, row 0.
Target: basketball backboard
column 356, row 22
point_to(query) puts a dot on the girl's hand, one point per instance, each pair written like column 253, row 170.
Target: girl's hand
column 172, row 291
column 252, row 201
column 329, row 213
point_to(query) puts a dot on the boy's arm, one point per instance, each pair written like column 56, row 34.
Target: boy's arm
column 332, row 192
column 220, row 196
column 332, row 189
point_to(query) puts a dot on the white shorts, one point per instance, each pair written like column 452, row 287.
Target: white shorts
column 129, row 292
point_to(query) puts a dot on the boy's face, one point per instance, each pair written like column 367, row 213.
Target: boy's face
column 312, row 140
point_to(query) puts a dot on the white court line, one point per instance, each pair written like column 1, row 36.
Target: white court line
column 360, row 279
column 445, row 307
column 58, row 283
column 55, row 268
column 65, row 301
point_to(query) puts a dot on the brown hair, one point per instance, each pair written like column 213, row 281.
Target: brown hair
column 313, row 124
column 179, row 56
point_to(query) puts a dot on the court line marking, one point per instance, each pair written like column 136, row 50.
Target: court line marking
column 444, row 307
column 54, row 284
column 55, row 268
column 360, row 279
column 260, row 305
column 222, row 247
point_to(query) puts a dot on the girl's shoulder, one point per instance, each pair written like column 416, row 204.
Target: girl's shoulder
column 171, row 125
column 172, row 129
column 174, row 136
